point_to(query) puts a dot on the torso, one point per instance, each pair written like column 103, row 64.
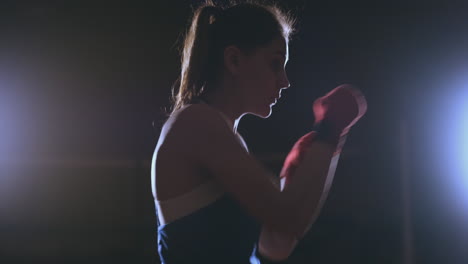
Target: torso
column 195, row 214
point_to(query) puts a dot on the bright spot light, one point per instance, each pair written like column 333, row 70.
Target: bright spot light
column 451, row 150
column 462, row 153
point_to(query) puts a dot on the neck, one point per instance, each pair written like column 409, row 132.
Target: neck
column 227, row 107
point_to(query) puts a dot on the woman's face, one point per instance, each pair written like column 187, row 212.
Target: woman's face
column 263, row 76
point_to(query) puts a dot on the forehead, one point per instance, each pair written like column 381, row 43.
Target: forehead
column 279, row 46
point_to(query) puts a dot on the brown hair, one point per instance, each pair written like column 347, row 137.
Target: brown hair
column 247, row 25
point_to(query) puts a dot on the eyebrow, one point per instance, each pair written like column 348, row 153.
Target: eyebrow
column 282, row 53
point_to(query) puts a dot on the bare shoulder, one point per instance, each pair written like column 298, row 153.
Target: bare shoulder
column 176, row 159
column 197, row 136
column 197, row 122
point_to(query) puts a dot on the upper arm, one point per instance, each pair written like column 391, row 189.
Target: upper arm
column 208, row 140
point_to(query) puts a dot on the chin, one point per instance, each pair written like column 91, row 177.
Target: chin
column 265, row 112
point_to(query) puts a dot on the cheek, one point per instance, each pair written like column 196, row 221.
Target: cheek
column 259, row 83
column 262, row 78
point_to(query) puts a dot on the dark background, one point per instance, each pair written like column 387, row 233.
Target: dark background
column 82, row 93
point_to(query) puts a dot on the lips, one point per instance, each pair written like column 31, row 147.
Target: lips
column 274, row 99
column 279, row 96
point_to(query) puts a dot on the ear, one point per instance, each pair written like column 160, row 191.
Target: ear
column 232, row 59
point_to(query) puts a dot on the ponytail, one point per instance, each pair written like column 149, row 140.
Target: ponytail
column 195, row 56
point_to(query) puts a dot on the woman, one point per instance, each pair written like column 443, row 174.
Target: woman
column 213, row 198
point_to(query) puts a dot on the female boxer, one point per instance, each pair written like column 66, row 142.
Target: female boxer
column 215, row 203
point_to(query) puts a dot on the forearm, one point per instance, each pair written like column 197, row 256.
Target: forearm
column 312, row 210
column 309, row 185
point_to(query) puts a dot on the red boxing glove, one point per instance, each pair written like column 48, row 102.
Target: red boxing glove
column 337, row 111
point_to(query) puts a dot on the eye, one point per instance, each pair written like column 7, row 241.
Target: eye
column 277, row 65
